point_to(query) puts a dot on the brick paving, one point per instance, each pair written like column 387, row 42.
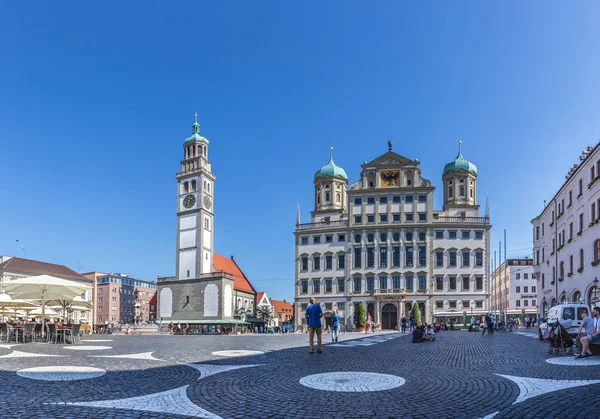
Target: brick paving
column 460, row 375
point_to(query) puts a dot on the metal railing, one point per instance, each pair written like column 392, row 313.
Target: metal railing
column 322, row 224
column 471, row 220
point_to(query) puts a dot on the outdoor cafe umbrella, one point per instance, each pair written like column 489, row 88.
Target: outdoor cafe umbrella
column 8, row 304
column 76, row 303
column 44, row 288
column 38, row 312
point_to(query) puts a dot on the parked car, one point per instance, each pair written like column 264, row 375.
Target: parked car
column 569, row 316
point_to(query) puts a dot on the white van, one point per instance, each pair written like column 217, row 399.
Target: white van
column 569, row 316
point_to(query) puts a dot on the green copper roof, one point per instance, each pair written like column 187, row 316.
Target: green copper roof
column 460, row 163
column 330, row 169
column 196, row 134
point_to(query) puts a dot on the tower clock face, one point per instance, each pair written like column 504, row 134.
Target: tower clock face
column 207, row 202
column 189, row 201
column 390, row 178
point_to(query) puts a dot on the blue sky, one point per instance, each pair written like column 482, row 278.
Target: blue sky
column 96, row 99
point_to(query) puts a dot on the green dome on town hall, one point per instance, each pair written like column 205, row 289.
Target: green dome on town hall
column 331, row 169
column 460, row 163
column 196, row 134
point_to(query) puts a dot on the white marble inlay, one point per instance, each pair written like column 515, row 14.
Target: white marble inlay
column 96, row 340
column 491, row 415
column 572, row 361
column 19, row 354
column 61, row 373
column 171, row 402
column 143, row 356
column 87, row 348
column 350, row 381
column 238, row 352
column 529, row 335
column 10, row 345
column 532, row 387
column 207, row 369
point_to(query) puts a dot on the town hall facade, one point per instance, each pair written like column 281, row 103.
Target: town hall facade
column 380, row 242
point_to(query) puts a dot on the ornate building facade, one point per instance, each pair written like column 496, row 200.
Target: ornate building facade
column 380, row 242
column 207, row 288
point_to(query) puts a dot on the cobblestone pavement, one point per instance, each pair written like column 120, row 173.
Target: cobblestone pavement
column 460, row 375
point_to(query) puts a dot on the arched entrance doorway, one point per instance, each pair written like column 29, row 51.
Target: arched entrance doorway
column 389, row 317
column 422, row 310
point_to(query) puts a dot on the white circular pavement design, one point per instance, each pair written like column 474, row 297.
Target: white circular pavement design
column 87, row 348
column 239, row 352
column 349, row 381
column 572, row 362
column 61, row 373
column 96, row 340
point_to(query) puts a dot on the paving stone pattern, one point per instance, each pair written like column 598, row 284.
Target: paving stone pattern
column 460, row 375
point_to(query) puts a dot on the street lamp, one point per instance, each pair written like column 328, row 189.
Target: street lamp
column 595, row 288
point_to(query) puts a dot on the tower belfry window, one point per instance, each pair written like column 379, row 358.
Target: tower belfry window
column 461, row 190
column 186, row 187
column 193, row 185
column 327, row 197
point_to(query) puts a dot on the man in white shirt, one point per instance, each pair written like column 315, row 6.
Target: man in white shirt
column 429, row 333
column 590, row 336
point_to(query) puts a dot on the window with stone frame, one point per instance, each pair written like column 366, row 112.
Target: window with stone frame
column 466, row 256
column 328, row 285
column 409, row 256
column 328, row 306
column 478, row 304
column 409, row 282
column 370, row 257
column 383, row 282
column 341, row 284
column 452, row 283
column 305, row 263
column 452, row 304
column 396, row 282
column 439, row 304
column 370, row 283
column 466, row 303
column 478, row 258
column 341, row 261
column 439, row 283
column 452, row 257
column 422, row 282
column 439, row 258
column 357, row 287
column 479, row 283
column 383, row 257
column 341, row 306
column 316, row 286
column 396, row 256
column 303, row 307
column 357, row 257
column 466, row 282
column 328, row 262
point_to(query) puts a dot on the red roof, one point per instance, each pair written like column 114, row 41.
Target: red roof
column 240, row 282
column 259, row 296
column 34, row 267
column 282, row 306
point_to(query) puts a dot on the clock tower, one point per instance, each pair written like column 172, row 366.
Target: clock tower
column 195, row 192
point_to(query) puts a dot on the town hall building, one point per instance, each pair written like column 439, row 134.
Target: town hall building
column 379, row 241
column 207, row 289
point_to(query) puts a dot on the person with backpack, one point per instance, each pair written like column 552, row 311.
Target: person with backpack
column 313, row 319
column 403, row 322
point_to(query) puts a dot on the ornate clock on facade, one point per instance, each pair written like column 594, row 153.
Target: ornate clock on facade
column 207, row 202
column 189, row 201
column 390, row 178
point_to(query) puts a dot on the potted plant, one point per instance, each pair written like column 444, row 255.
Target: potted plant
column 580, row 270
column 361, row 315
column 570, row 274
column 560, row 279
column 553, row 282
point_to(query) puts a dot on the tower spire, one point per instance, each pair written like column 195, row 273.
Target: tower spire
column 390, row 144
column 330, row 153
column 196, row 117
column 487, row 206
column 459, row 148
column 298, row 214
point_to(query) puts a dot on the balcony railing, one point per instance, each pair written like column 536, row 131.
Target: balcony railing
column 466, row 220
column 322, row 224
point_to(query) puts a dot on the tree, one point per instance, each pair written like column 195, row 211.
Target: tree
column 360, row 316
column 264, row 313
column 416, row 312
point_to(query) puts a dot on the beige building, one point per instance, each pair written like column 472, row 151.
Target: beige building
column 14, row 267
column 515, row 291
